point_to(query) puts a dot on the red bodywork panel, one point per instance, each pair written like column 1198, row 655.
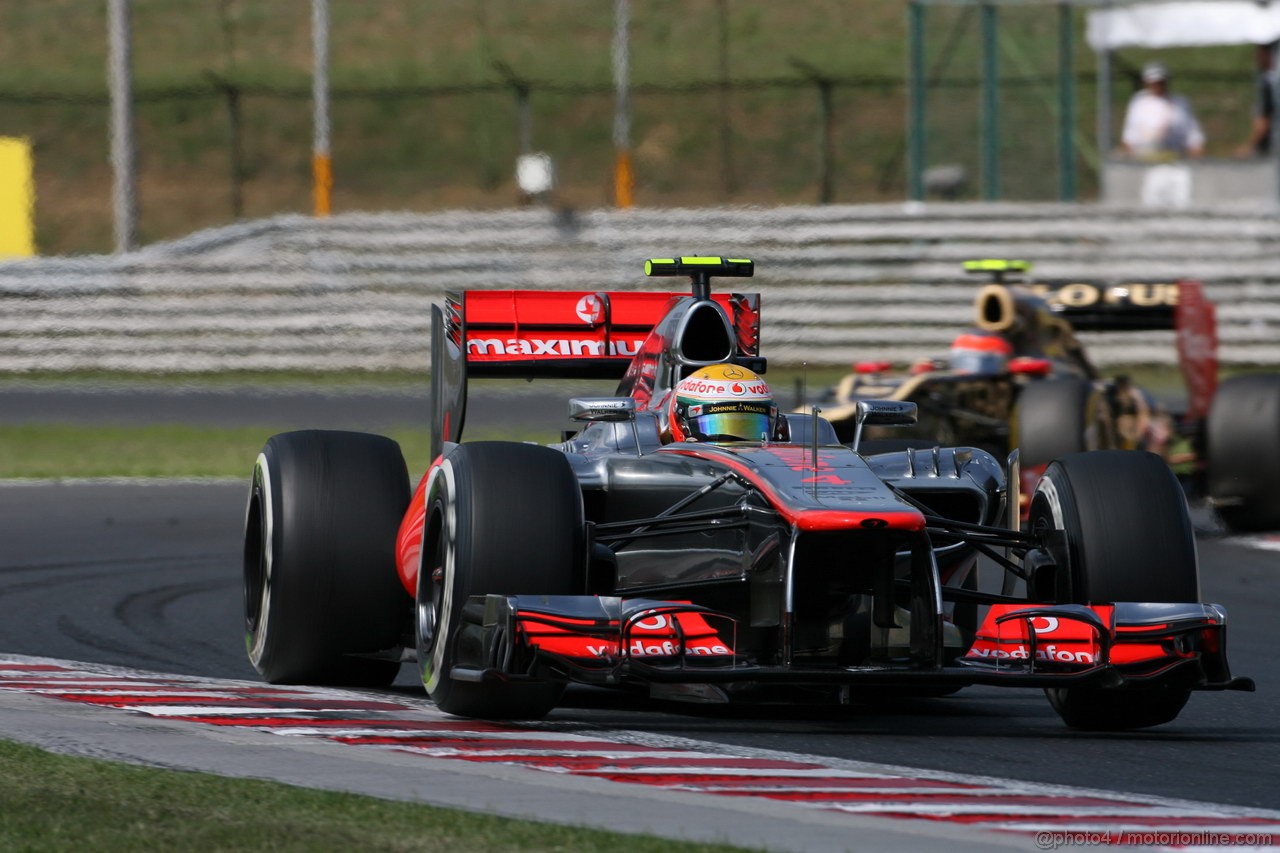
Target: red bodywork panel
column 1064, row 641
column 539, row 325
column 504, row 326
column 409, row 539
column 1070, row 642
column 657, row 636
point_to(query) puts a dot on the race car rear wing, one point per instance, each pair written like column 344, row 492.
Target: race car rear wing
column 530, row 334
column 1101, row 307
column 1105, row 307
column 1090, row 306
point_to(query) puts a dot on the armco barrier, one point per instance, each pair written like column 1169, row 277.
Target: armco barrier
column 839, row 283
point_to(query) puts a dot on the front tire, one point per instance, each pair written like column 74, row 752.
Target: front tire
column 1244, row 452
column 1129, row 538
column 1055, row 417
column 502, row 518
column 320, row 582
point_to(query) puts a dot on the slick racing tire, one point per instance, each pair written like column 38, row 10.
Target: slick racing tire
column 320, row 581
column 1098, row 710
column 1244, row 452
column 1054, row 417
column 502, row 518
column 1128, row 538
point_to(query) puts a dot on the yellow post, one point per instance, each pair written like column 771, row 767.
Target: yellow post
column 623, row 180
column 17, row 199
column 322, row 167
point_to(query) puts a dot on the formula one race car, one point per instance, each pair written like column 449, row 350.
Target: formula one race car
column 1020, row 378
column 690, row 541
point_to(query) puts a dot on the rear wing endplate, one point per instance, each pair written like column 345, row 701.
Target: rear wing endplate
column 529, row 334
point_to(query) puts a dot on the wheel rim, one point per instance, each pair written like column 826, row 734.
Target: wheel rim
column 430, row 600
column 255, row 564
column 430, row 579
column 258, row 558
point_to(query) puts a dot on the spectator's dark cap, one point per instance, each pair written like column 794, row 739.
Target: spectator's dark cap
column 1154, row 72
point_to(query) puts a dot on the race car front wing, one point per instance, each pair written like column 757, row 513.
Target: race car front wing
column 605, row 640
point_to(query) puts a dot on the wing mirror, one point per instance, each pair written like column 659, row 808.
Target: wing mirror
column 609, row 409
column 883, row 413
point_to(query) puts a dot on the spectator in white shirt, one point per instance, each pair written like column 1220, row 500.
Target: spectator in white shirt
column 1158, row 125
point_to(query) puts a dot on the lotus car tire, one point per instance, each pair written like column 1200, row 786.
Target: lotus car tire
column 1054, row 417
column 321, row 594
column 502, row 518
column 1244, row 452
column 1128, row 538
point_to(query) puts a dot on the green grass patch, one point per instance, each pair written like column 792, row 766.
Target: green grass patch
column 344, row 380
column 53, row 802
column 174, row 450
column 165, row 450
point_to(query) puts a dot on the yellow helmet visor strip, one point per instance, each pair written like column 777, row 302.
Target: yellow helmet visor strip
column 737, row 420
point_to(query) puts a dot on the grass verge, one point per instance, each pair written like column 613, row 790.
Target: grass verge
column 172, row 450
column 54, row 802
column 165, row 450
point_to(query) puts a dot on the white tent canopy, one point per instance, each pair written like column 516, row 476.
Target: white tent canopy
column 1184, row 24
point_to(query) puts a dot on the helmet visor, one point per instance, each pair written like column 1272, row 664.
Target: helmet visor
column 735, row 421
column 973, row 361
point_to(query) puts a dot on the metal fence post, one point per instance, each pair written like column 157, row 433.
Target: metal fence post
column 321, row 159
column 826, row 138
column 827, row 189
column 235, row 145
column 990, row 136
column 124, row 155
column 236, row 154
column 1274, row 131
column 524, row 116
column 1066, row 104
column 1103, row 106
column 727, row 182
column 915, row 102
column 623, row 176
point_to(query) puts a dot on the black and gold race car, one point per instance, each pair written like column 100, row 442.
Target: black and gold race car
column 1019, row 378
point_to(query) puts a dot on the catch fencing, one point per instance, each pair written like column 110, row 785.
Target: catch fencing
column 838, row 283
column 731, row 102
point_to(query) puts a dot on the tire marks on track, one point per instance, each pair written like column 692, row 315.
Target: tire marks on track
column 373, row 721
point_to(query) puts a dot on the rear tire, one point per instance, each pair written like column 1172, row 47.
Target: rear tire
column 320, row 581
column 502, row 518
column 1054, row 417
column 1129, row 538
column 1244, row 452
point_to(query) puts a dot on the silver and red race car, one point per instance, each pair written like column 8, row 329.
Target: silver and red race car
column 787, row 567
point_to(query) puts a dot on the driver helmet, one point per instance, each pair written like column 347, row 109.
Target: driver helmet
column 722, row 402
column 976, row 352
